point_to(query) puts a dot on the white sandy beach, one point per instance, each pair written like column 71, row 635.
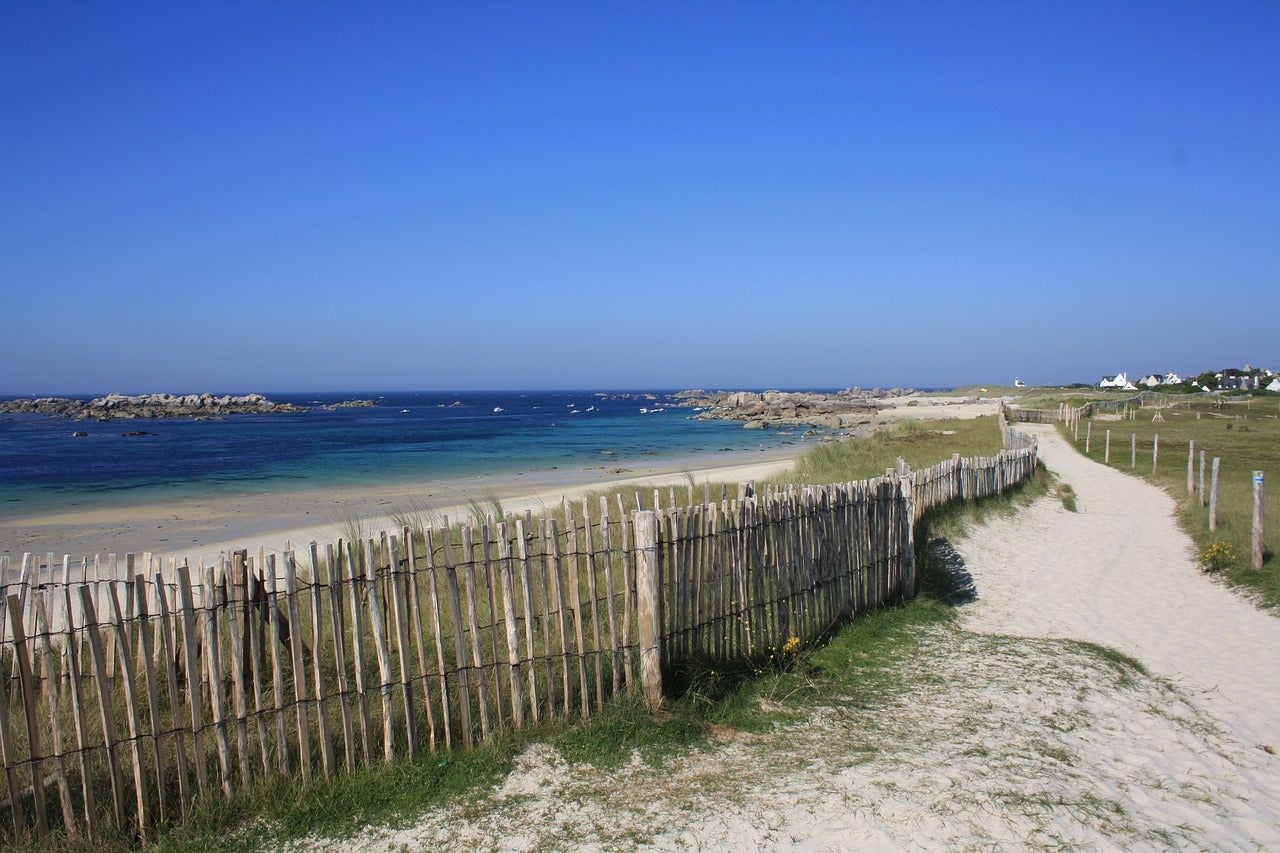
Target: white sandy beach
column 202, row 527
column 1017, row 737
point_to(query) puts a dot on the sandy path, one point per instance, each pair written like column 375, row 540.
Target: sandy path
column 1121, row 573
column 1010, row 736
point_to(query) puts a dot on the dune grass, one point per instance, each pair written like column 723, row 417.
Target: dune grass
column 920, row 443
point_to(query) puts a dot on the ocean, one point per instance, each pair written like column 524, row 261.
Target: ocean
column 408, row 436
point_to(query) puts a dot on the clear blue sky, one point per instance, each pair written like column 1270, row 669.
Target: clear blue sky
column 314, row 196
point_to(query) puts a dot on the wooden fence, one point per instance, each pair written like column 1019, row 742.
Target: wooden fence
column 128, row 699
column 1020, row 414
column 1074, row 415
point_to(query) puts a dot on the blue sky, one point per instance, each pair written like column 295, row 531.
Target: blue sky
column 315, row 196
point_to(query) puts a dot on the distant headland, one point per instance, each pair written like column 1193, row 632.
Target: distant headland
column 156, row 406
column 759, row 410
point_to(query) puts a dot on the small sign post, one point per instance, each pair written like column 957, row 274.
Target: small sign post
column 1213, row 497
column 1257, row 519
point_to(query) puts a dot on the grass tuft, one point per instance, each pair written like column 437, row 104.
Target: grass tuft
column 482, row 509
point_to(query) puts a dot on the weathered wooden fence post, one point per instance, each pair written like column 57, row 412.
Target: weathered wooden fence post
column 1201, row 478
column 1257, row 519
column 1133, row 450
column 1107, row 454
column 1213, row 497
column 906, row 488
column 646, row 530
column 1155, row 453
column 27, row 679
column 1191, row 458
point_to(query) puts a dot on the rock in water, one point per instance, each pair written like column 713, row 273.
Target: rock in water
column 149, row 406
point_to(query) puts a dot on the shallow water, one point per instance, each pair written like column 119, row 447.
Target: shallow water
column 406, row 436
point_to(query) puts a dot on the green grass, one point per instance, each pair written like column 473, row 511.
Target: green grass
column 1033, row 397
column 860, row 663
column 920, row 443
column 1245, row 436
column 279, row 809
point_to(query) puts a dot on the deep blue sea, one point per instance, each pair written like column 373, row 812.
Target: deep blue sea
column 406, row 436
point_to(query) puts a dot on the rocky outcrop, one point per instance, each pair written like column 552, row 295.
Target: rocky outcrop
column 761, row 410
column 149, row 406
column 349, row 404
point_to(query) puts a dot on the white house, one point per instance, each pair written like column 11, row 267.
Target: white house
column 1275, row 384
column 1172, row 378
column 1117, row 381
column 1151, row 380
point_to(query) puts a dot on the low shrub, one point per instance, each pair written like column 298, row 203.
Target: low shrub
column 1216, row 557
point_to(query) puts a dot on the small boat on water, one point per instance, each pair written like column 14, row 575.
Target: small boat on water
column 498, row 409
column 404, row 411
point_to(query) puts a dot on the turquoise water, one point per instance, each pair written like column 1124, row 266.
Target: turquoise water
column 407, row 436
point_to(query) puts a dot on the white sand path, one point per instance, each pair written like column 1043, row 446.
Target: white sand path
column 1008, row 736
column 1120, row 572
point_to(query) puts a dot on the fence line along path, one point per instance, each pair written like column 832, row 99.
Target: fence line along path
column 138, row 688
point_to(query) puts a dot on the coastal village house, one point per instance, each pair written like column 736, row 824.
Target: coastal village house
column 1120, row 381
column 1155, row 380
column 1233, row 379
column 1249, row 378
